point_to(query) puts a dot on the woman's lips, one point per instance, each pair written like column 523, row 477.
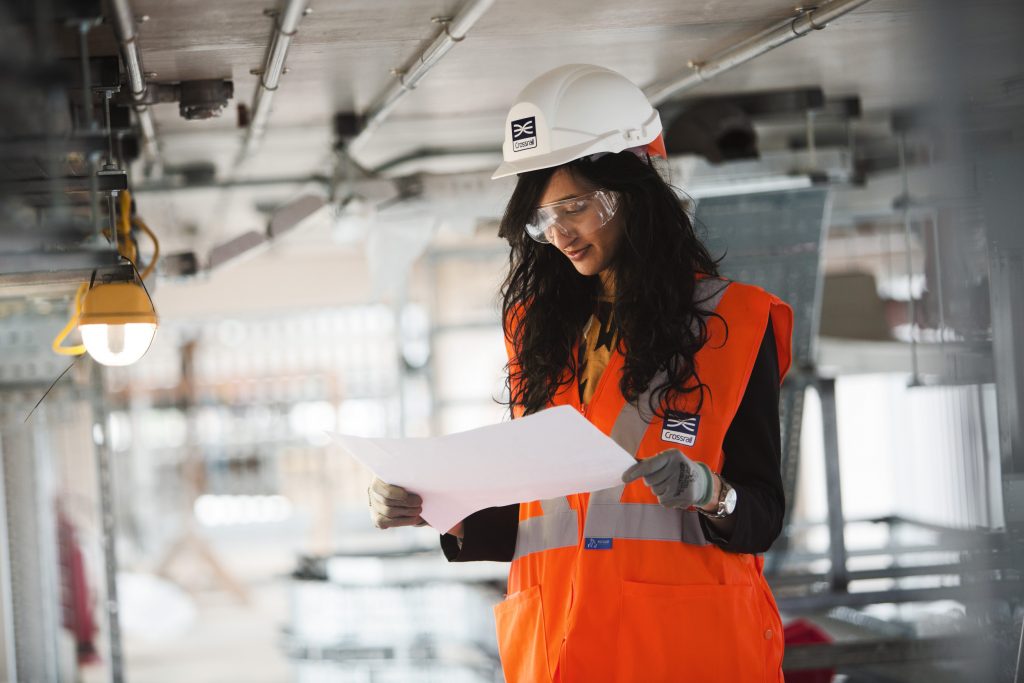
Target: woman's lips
column 578, row 254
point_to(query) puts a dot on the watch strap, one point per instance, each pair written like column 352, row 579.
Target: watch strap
column 720, row 511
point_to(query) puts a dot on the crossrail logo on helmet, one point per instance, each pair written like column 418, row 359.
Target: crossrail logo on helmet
column 524, row 134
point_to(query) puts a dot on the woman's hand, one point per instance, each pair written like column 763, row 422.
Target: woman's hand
column 677, row 481
column 392, row 506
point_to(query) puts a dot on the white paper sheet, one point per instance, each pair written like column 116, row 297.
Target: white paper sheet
column 552, row 453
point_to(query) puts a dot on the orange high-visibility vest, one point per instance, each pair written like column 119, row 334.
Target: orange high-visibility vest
column 611, row 585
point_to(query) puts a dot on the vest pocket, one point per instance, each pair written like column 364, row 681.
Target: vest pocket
column 705, row 633
column 522, row 642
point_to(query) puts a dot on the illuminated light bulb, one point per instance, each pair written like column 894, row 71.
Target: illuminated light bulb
column 118, row 323
column 118, row 344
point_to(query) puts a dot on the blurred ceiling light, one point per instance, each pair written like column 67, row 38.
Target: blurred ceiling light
column 117, row 323
column 353, row 217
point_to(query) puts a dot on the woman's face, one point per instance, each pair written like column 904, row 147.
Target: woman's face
column 590, row 252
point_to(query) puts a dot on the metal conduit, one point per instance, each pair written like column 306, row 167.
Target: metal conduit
column 801, row 25
column 285, row 26
column 124, row 27
column 454, row 31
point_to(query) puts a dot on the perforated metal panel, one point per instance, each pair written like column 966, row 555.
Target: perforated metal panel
column 773, row 240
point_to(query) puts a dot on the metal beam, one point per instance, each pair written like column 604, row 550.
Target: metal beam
column 842, row 655
column 58, row 273
column 170, row 186
column 1019, row 676
column 896, row 572
column 31, row 530
column 108, row 522
column 236, row 247
column 976, row 592
column 288, row 217
column 105, row 182
column 836, row 524
column 42, row 146
column 7, row 579
column 35, row 267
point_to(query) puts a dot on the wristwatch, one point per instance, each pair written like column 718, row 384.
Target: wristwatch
column 726, row 501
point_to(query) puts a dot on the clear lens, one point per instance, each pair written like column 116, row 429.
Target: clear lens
column 578, row 215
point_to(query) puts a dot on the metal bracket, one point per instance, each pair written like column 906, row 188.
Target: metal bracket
column 445, row 22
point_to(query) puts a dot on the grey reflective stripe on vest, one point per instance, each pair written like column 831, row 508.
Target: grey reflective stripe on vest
column 555, row 505
column 610, row 496
column 708, row 293
column 643, row 521
column 558, row 527
column 607, row 517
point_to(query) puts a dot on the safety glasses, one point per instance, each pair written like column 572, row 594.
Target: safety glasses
column 580, row 215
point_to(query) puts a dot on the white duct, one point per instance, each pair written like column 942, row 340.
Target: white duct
column 801, row 25
column 285, row 25
column 454, row 31
column 124, row 26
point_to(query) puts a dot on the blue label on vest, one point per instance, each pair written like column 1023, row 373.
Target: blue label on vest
column 597, row 543
column 680, row 428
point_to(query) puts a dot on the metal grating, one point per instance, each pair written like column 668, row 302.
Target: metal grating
column 773, row 240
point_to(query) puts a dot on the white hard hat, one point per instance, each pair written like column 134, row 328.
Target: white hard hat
column 574, row 111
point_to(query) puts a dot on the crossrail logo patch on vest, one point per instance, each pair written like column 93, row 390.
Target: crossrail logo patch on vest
column 680, row 428
column 524, row 133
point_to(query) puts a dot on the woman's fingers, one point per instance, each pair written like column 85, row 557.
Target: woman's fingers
column 661, row 476
column 377, row 500
column 394, row 494
column 647, row 467
column 384, row 522
column 393, row 506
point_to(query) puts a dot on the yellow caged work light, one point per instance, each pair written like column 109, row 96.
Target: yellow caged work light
column 117, row 323
column 117, row 320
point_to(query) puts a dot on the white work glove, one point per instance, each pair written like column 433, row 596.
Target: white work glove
column 392, row 506
column 677, row 481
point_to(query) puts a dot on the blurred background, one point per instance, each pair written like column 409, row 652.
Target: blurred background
column 301, row 192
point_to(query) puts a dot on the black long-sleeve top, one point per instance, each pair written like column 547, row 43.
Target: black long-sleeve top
column 753, row 455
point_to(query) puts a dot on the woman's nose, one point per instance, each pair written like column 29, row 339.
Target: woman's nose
column 560, row 237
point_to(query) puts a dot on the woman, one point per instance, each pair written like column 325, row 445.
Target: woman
column 613, row 305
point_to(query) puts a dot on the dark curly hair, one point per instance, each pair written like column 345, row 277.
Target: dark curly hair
column 546, row 302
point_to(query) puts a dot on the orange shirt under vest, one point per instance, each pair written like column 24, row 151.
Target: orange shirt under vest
column 612, row 586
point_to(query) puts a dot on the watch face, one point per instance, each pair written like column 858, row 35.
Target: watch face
column 730, row 501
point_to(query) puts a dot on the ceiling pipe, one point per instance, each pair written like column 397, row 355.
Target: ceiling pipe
column 286, row 23
column 805, row 22
column 124, row 27
column 454, row 31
